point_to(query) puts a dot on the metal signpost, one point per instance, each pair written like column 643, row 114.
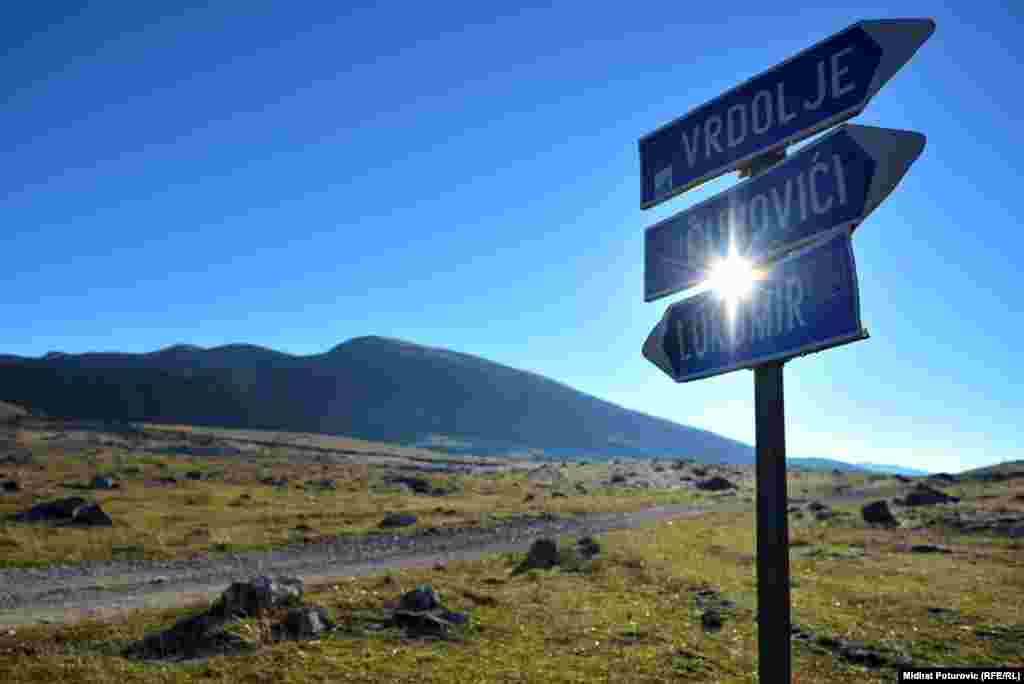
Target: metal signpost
column 794, row 218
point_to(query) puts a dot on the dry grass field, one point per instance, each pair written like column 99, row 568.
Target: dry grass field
column 630, row 615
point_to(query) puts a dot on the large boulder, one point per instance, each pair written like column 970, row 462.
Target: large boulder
column 59, row 509
column 877, row 513
column 253, row 598
column 715, row 484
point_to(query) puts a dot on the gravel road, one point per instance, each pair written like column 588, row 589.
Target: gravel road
column 103, row 588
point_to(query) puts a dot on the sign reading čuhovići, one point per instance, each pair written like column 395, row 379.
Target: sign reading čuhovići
column 818, row 88
column 835, row 182
column 805, row 303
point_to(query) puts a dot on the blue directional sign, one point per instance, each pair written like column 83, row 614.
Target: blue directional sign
column 835, row 182
column 806, row 303
column 818, row 88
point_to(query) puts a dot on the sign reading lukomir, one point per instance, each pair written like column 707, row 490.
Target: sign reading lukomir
column 807, row 302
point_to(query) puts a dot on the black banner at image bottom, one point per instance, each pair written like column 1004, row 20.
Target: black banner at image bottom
column 961, row 674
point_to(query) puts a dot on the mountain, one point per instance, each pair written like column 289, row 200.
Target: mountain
column 832, row 464
column 893, row 469
column 371, row 387
column 821, row 464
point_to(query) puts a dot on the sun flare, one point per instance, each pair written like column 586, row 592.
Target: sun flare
column 733, row 277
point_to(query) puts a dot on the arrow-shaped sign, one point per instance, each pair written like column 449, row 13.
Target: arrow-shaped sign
column 835, row 182
column 825, row 84
column 806, row 303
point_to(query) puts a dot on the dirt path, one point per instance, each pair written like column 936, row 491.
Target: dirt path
column 105, row 589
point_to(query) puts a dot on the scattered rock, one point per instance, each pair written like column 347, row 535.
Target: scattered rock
column 253, row 598
column 877, row 513
column 325, row 483
column 588, row 547
column 60, row 509
column 159, row 579
column 923, row 495
column 91, row 515
column 11, row 486
column 708, row 598
column 618, row 478
column 275, row 481
column 711, row 620
column 104, row 482
column 191, row 637
column 421, row 599
column 928, row 548
column 307, row 622
column 700, row 472
column 455, row 618
column 825, row 514
column 715, row 484
column 529, row 497
column 195, row 475
column 421, row 612
column 816, row 506
column 418, row 485
column 858, row 653
column 398, row 520
column 543, row 555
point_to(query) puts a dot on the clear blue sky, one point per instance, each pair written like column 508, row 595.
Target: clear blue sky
column 296, row 174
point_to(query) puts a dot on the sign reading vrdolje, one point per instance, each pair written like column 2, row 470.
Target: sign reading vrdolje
column 833, row 183
column 805, row 303
column 818, row 88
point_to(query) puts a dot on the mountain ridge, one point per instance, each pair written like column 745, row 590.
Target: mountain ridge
column 370, row 386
